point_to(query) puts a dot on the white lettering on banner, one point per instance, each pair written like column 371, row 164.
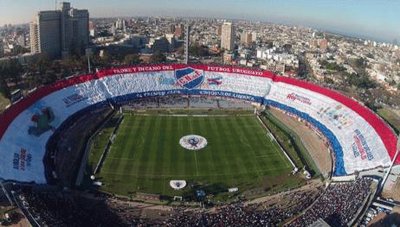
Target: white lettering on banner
column 173, row 92
column 73, row 99
column 143, row 69
column 154, row 93
column 227, row 94
column 248, row 72
column 218, row 69
column 148, row 68
column 167, row 67
column 126, row 70
column 235, row 70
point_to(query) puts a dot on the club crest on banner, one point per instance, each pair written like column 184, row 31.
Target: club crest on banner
column 189, row 78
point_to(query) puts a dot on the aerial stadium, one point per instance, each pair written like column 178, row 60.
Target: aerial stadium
column 163, row 134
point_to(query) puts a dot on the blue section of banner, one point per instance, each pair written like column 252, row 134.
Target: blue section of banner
column 335, row 144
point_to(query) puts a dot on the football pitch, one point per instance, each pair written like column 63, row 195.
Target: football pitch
column 146, row 154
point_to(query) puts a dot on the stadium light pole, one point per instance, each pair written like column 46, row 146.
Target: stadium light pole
column 391, row 165
column 187, row 40
column 88, row 54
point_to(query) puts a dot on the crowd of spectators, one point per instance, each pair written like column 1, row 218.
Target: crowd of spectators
column 58, row 208
column 240, row 214
column 338, row 205
column 50, row 208
column 180, row 102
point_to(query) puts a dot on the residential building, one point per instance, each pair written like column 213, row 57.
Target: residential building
column 59, row 33
column 228, row 36
column 246, row 38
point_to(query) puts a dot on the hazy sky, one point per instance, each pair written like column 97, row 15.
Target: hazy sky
column 378, row 19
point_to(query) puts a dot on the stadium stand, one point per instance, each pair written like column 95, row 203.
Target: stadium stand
column 338, row 205
column 359, row 139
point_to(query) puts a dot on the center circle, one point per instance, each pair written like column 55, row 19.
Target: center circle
column 193, row 142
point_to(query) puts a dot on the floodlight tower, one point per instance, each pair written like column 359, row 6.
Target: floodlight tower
column 391, row 165
column 187, row 40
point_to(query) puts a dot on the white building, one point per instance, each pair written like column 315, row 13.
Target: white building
column 58, row 32
column 254, row 36
column 227, row 36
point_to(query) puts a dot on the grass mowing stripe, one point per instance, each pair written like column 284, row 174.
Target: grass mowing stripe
column 191, row 127
column 258, row 137
column 129, row 144
column 209, row 154
column 243, row 133
column 116, row 146
column 140, row 150
column 160, row 137
column 207, row 166
column 273, row 146
column 180, row 152
column 258, row 146
column 168, row 149
column 229, row 148
column 189, row 163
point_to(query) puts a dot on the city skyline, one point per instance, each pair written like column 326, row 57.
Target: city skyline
column 372, row 19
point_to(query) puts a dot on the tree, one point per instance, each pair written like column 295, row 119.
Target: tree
column 4, row 89
column 360, row 62
column 392, row 82
column 158, row 57
column 42, row 63
column 19, row 50
column 328, row 80
column 11, row 69
column 361, row 81
column 370, row 55
column 198, row 50
column 132, row 59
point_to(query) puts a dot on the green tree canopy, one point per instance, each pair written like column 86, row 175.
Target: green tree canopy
column 132, row 59
column 158, row 57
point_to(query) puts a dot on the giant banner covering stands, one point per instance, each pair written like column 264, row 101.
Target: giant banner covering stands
column 359, row 139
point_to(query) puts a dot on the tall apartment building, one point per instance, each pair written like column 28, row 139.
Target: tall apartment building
column 246, row 38
column 179, row 31
column 227, row 36
column 33, row 34
column 57, row 33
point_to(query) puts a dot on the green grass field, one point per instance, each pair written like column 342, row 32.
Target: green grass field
column 146, row 155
